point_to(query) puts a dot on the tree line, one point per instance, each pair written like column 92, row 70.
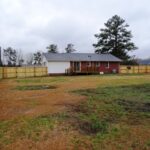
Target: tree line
column 13, row 57
column 115, row 39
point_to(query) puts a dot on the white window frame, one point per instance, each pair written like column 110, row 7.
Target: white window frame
column 108, row 65
column 79, row 65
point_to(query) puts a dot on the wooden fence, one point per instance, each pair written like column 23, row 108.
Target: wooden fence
column 1, row 72
column 134, row 69
column 16, row 72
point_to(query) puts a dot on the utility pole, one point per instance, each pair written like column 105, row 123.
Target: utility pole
column 0, row 57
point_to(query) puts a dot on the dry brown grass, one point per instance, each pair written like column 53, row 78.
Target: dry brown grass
column 15, row 104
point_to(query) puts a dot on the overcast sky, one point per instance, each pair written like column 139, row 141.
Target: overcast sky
column 32, row 25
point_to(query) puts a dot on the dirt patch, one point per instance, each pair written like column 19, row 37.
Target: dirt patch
column 35, row 87
column 134, row 106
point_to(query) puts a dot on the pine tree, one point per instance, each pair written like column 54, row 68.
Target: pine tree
column 10, row 55
column 69, row 48
column 115, row 39
column 52, row 48
column 37, row 58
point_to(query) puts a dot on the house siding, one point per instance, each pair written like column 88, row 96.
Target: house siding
column 86, row 68
column 112, row 66
column 102, row 68
column 58, row 67
column 93, row 68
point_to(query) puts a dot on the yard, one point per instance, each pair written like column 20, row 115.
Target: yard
column 107, row 112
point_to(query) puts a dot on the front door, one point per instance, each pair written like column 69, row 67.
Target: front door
column 77, row 66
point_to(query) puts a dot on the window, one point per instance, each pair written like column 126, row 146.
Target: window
column 76, row 66
column 97, row 64
column 107, row 65
column 89, row 64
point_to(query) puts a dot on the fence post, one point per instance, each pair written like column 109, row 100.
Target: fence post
column 16, row 72
column 24, row 72
column 3, row 73
column 146, row 68
column 34, row 72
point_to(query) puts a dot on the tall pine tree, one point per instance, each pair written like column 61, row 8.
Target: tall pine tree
column 52, row 48
column 115, row 39
column 70, row 48
column 37, row 58
column 10, row 55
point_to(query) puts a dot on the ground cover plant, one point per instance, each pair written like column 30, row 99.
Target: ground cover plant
column 109, row 112
column 108, row 108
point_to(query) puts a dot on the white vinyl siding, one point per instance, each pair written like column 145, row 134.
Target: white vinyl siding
column 57, row 67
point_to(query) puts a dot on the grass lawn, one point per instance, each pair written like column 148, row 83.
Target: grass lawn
column 108, row 112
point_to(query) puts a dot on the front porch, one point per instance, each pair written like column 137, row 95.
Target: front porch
column 92, row 67
column 83, row 68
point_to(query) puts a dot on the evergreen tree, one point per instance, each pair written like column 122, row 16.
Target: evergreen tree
column 10, row 56
column 115, row 39
column 1, row 57
column 69, row 48
column 52, row 48
column 37, row 57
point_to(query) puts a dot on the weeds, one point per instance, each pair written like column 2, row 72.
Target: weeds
column 92, row 124
column 109, row 106
column 113, row 116
column 30, row 128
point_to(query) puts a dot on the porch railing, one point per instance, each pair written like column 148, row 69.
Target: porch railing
column 83, row 70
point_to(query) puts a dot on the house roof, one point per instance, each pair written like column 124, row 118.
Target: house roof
column 80, row 57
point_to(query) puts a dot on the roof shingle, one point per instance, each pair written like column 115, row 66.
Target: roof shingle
column 80, row 57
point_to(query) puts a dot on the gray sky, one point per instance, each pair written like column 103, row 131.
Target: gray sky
column 32, row 25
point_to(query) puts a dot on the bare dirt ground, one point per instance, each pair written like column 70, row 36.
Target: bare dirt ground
column 16, row 103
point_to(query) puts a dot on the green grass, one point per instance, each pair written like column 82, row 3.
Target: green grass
column 35, row 87
column 24, row 128
column 29, row 128
column 108, row 107
column 42, row 80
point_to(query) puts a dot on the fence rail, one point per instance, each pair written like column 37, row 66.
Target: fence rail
column 16, row 72
column 134, row 69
